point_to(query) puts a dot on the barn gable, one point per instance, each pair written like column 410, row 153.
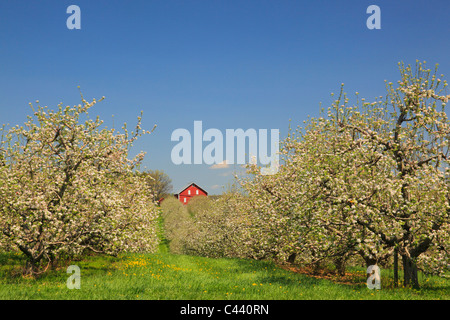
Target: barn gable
column 190, row 191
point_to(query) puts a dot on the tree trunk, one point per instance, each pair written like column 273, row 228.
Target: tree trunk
column 316, row 267
column 396, row 268
column 340, row 263
column 31, row 268
column 291, row 258
column 370, row 261
column 410, row 277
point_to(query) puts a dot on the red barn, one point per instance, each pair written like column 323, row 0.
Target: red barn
column 189, row 192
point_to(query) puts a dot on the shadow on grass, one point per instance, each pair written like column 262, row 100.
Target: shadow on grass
column 12, row 266
column 269, row 272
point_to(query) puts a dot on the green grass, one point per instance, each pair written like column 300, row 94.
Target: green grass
column 166, row 276
column 171, row 277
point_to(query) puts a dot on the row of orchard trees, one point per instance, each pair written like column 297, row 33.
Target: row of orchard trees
column 370, row 179
column 67, row 187
column 207, row 227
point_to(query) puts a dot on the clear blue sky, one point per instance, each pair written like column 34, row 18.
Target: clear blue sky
column 231, row 64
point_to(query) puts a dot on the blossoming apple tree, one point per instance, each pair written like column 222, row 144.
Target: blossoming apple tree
column 67, row 187
column 372, row 178
column 407, row 135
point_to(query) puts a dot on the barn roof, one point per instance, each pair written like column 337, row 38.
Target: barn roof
column 192, row 183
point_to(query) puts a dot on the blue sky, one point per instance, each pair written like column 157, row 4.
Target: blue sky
column 231, row 64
